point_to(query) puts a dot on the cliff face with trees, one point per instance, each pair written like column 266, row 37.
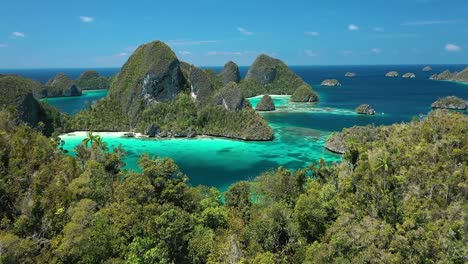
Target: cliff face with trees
column 155, row 91
column 17, row 97
column 394, row 199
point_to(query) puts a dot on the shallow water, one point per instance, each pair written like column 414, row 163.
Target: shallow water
column 73, row 104
column 300, row 129
column 221, row 162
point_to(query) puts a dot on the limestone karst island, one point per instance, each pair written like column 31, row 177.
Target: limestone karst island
column 246, row 133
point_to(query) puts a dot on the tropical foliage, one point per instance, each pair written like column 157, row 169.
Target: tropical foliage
column 401, row 198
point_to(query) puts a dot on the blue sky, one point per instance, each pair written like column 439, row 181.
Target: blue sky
column 59, row 33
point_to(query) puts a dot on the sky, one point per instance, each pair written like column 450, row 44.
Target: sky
column 100, row 33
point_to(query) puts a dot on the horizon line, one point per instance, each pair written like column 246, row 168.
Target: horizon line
column 220, row 66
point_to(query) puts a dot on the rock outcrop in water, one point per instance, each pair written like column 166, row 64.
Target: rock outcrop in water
column 427, row 69
column 350, row 74
column 60, row 85
column 230, row 73
column 268, row 75
column 304, row 94
column 451, row 76
column 409, row 75
column 265, row 104
column 330, row 82
column 156, row 94
column 392, row 74
column 365, row 109
column 451, row 102
column 18, row 93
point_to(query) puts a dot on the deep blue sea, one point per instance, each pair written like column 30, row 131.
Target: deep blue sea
column 300, row 129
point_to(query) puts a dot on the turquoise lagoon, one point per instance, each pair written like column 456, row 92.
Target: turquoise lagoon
column 74, row 104
column 300, row 129
column 220, row 162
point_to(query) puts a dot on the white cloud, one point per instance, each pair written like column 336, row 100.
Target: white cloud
column 244, row 31
column 16, row 35
column 312, row 33
column 179, row 43
column 184, row 52
column 452, row 47
column 376, row 50
column 3, row 45
column 122, row 54
column 86, row 19
column 353, row 27
column 429, row 22
column 311, row 53
column 378, row 29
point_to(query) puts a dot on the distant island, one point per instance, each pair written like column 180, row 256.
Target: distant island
column 163, row 97
column 451, row 102
column 350, row 74
column 409, row 75
column 392, row 74
column 365, row 109
column 62, row 85
column 330, row 82
column 427, row 69
column 451, row 76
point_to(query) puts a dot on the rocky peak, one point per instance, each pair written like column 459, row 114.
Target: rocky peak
column 230, row 97
column 230, row 73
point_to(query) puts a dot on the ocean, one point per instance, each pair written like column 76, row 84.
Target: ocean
column 300, row 129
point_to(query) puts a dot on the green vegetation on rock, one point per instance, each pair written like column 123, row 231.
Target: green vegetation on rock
column 265, row 104
column 451, row 102
column 91, row 80
column 304, row 93
column 399, row 195
column 16, row 95
column 157, row 95
column 365, row 109
column 269, row 76
column 451, row 76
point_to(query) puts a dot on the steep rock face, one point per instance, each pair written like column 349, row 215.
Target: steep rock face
column 151, row 75
column 427, row 69
column 451, row 102
column 268, row 75
column 266, row 104
column 230, row 97
column 200, row 84
column 17, row 92
column 365, row 109
column 90, row 80
column 230, row 73
column 304, row 94
column 72, row 91
column 392, row 74
column 331, row 82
